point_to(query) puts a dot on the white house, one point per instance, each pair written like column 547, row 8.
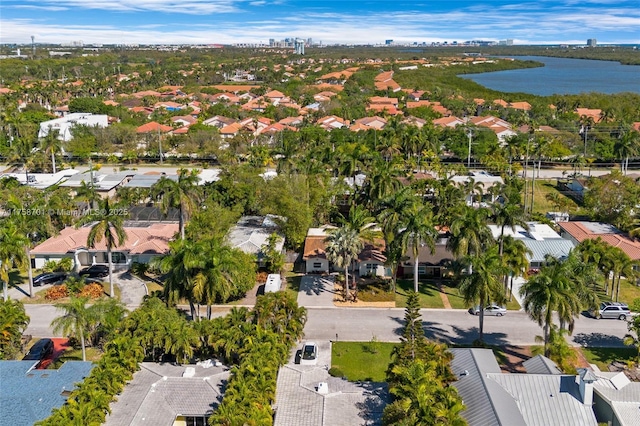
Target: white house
column 64, row 124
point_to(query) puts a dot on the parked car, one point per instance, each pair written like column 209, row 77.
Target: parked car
column 49, row 278
column 309, row 354
column 95, row 271
column 40, row 350
column 613, row 310
column 493, row 310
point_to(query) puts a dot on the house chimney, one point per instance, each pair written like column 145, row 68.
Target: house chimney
column 585, row 379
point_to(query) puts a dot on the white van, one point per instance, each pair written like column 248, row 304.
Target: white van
column 274, row 281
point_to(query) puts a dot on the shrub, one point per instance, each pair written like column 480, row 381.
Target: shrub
column 635, row 305
column 56, row 292
column 92, row 291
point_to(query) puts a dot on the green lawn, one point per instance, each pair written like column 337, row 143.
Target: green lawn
column 602, row 357
column 540, row 202
column 358, row 362
column 73, row 354
column 628, row 292
column 293, row 284
column 429, row 294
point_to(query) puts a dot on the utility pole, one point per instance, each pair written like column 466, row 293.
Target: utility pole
column 160, row 144
column 470, row 134
column 526, row 166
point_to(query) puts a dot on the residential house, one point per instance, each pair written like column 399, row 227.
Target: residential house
column 575, row 187
column 28, row 395
column 105, row 184
column 251, row 233
column 593, row 114
column 64, row 124
column 414, row 121
column 500, row 127
column 370, row 261
column 153, row 127
column 219, row 121
column 331, row 122
column 366, row 123
column 384, row 81
column 616, row 399
column 435, row 106
column 168, row 105
column 184, row 120
column 451, row 121
column 540, row 239
column 578, row 231
column 540, row 398
column 486, row 180
column 167, row 394
column 144, row 241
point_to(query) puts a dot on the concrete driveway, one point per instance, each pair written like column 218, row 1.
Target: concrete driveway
column 316, row 291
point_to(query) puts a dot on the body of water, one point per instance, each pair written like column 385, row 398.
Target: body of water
column 563, row 76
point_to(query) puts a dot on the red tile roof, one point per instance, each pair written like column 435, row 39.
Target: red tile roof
column 580, row 231
column 153, row 127
column 153, row 239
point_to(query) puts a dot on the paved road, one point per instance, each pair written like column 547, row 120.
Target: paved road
column 453, row 326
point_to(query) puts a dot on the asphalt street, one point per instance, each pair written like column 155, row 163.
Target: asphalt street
column 448, row 325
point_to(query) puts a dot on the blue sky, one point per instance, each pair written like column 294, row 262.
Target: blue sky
column 351, row 22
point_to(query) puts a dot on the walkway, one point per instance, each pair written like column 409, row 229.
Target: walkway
column 316, row 291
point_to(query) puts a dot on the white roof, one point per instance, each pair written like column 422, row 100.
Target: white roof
column 537, row 231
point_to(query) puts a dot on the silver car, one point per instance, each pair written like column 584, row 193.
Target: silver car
column 613, row 310
column 492, row 310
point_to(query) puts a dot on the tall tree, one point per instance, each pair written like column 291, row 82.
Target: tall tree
column 483, row 285
column 13, row 322
column 107, row 222
column 343, row 245
column 418, row 229
column 51, row 145
column 469, row 232
column 12, row 254
column 180, row 194
column 75, row 322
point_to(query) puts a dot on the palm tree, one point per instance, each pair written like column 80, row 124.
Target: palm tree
column 75, row 322
column 418, row 230
column 469, row 232
column 343, row 245
column 12, row 254
column 51, row 145
column 13, row 322
column 178, row 193
column 552, row 289
column 483, row 285
column 106, row 222
column 508, row 215
column 516, row 261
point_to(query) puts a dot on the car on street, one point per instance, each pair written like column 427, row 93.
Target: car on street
column 491, row 310
column 309, row 354
column 40, row 350
column 95, row 271
column 612, row 310
column 49, row 278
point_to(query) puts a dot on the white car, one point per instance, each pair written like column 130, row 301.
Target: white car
column 493, row 310
column 309, row 355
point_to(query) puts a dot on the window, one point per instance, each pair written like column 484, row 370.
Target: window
column 371, row 267
column 196, row 421
column 317, row 265
column 118, row 257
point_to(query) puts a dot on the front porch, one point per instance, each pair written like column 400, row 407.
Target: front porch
column 120, row 260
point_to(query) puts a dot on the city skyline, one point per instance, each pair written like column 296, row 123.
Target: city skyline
column 372, row 22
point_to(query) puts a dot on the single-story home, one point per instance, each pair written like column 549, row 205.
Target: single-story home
column 28, row 395
column 541, row 397
column 616, row 398
column 578, row 231
column 145, row 240
column 64, row 124
column 370, row 261
column 251, row 233
column 540, row 239
column 164, row 394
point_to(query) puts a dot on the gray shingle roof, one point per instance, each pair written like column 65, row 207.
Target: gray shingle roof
column 158, row 393
column 28, row 395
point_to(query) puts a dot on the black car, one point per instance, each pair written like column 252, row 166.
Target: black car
column 49, row 278
column 40, row 350
column 95, row 271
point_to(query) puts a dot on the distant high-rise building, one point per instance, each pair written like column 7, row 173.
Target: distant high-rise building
column 299, row 46
column 388, row 42
column 272, row 42
column 592, row 42
column 309, row 41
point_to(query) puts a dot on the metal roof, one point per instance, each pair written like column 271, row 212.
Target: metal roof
column 486, row 403
column 558, row 248
column 547, row 399
column 28, row 395
column 540, row 364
